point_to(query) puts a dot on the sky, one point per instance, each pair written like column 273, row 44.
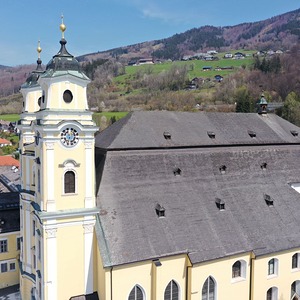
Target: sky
column 99, row 25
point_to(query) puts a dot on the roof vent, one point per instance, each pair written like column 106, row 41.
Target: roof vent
column 160, row 210
column 268, row 200
column 211, row 134
column 222, row 169
column 177, row 172
column 167, row 135
column 220, row 204
column 157, row 262
column 252, row 134
column 263, row 166
column 294, row 132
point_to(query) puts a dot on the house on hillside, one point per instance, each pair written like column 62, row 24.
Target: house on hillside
column 238, row 55
column 145, row 61
column 4, row 142
column 218, row 78
column 206, row 68
column 228, row 55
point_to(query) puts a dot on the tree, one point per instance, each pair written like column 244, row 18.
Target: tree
column 291, row 108
column 243, row 101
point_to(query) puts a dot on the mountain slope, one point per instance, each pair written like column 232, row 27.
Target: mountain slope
column 280, row 32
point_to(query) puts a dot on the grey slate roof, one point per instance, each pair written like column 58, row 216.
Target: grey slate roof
column 132, row 182
column 146, row 129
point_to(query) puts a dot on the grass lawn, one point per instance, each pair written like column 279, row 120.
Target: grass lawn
column 108, row 115
column 10, row 117
column 195, row 68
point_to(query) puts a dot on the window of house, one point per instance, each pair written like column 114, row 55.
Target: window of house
column 12, row 266
column 136, row 293
column 295, row 261
column 209, row 289
column 272, row 293
column 3, row 246
column 273, row 266
column 18, row 243
column 239, row 269
column 3, row 267
column 69, row 182
column 295, row 289
column 171, row 291
column 236, row 269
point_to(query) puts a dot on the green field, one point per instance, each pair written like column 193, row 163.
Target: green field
column 108, row 115
column 10, row 117
column 118, row 114
column 195, row 68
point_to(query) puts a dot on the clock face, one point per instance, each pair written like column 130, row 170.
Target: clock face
column 69, row 137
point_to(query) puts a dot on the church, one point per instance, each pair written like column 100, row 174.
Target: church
column 159, row 206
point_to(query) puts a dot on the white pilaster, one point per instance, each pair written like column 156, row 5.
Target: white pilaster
column 28, row 238
column 50, row 176
column 51, row 263
column 89, row 173
column 88, row 257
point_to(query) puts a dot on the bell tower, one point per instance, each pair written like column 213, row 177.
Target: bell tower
column 62, row 209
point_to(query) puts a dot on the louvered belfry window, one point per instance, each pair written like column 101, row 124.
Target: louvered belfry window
column 69, row 182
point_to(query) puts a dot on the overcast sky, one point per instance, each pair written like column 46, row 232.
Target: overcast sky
column 98, row 25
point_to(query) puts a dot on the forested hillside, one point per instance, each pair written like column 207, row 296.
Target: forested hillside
column 213, row 83
column 279, row 32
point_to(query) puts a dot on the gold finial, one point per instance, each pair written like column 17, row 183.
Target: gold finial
column 39, row 49
column 62, row 27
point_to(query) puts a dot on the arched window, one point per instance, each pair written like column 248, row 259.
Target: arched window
column 273, row 266
column 236, row 269
column 209, row 289
column 295, row 261
column 295, row 290
column 171, row 291
column 272, row 293
column 239, row 270
column 136, row 293
column 69, row 182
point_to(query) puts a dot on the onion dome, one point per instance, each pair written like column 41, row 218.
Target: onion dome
column 262, row 105
column 34, row 75
column 63, row 62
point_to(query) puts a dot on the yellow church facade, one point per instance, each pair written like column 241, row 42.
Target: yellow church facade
column 153, row 207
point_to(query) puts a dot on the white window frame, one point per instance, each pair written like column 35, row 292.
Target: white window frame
column 275, row 274
column 18, row 241
column 274, row 290
column 6, row 240
column 3, row 263
column 242, row 277
column 297, row 268
column 69, row 167
column 10, row 269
